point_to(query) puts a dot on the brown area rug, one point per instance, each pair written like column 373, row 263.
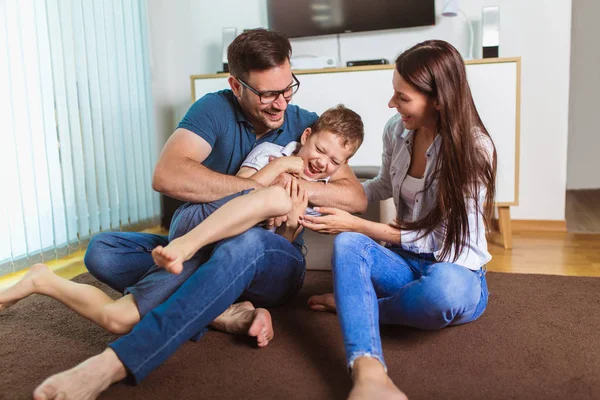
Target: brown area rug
column 538, row 339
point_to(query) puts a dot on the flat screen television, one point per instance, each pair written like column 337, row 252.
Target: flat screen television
column 302, row 18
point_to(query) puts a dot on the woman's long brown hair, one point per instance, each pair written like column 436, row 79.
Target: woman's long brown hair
column 436, row 69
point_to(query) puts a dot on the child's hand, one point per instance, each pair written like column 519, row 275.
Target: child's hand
column 292, row 165
column 299, row 198
column 292, row 228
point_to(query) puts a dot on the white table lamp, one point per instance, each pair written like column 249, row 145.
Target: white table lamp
column 451, row 9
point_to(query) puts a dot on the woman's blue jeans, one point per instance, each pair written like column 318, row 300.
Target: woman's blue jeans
column 377, row 285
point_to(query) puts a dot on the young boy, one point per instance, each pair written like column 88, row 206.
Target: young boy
column 323, row 148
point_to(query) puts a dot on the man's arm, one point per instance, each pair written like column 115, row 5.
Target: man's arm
column 179, row 172
column 343, row 191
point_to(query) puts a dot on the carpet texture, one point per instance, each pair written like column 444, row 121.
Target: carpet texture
column 538, row 339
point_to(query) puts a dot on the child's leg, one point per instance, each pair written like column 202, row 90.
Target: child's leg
column 234, row 217
column 116, row 316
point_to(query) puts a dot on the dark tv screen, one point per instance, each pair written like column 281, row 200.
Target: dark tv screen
column 301, row 18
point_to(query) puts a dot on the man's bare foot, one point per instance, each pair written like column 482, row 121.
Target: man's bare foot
column 27, row 286
column 322, row 302
column 243, row 319
column 372, row 382
column 84, row 382
column 171, row 257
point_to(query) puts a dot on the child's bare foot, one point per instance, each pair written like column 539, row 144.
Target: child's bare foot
column 322, row 302
column 27, row 286
column 243, row 319
column 171, row 257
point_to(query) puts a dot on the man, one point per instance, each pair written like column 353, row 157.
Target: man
column 197, row 164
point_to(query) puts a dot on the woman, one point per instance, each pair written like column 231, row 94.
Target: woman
column 439, row 165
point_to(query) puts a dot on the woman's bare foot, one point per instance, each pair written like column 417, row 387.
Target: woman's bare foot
column 84, row 382
column 322, row 302
column 27, row 286
column 372, row 382
column 243, row 319
column 372, row 389
column 171, row 257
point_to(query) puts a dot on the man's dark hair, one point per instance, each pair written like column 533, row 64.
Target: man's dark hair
column 257, row 50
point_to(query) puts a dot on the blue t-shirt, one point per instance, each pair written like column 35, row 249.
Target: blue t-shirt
column 218, row 119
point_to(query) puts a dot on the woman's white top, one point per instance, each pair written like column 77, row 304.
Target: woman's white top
column 408, row 192
column 396, row 157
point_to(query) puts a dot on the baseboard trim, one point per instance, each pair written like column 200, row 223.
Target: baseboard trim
column 535, row 225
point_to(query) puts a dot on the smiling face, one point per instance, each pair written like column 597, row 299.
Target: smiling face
column 416, row 108
column 323, row 153
column 264, row 117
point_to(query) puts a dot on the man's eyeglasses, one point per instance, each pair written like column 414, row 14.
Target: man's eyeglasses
column 268, row 97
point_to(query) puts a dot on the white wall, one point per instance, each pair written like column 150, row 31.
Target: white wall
column 186, row 38
column 584, row 134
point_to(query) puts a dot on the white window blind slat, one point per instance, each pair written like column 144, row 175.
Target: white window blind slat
column 108, row 193
column 75, row 134
column 6, row 266
column 143, row 113
column 95, row 93
column 56, row 230
column 22, row 120
column 37, row 136
column 147, row 54
column 116, row 111
column 136, row 149
column 127, row 114
column 12, row 212
column 85, row 114
column 65, row 158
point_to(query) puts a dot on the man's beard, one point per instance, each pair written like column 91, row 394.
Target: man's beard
column 269, row 123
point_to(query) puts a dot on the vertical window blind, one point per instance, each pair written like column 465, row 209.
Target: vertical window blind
column 76, row 121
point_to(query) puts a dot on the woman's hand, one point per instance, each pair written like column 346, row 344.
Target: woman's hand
column 335, row 221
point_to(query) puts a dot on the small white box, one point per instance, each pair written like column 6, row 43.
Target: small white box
column 312, row 62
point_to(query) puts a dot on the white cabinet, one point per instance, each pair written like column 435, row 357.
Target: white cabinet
column 495, row 85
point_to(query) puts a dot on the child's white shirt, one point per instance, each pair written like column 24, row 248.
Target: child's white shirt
column 259, row 157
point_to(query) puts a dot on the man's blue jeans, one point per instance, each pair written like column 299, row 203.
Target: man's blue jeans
column 377, row 285
column 258, row 266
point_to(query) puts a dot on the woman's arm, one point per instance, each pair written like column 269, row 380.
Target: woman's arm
column 337, row 221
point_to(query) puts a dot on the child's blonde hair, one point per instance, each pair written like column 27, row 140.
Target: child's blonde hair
column 342, row 122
